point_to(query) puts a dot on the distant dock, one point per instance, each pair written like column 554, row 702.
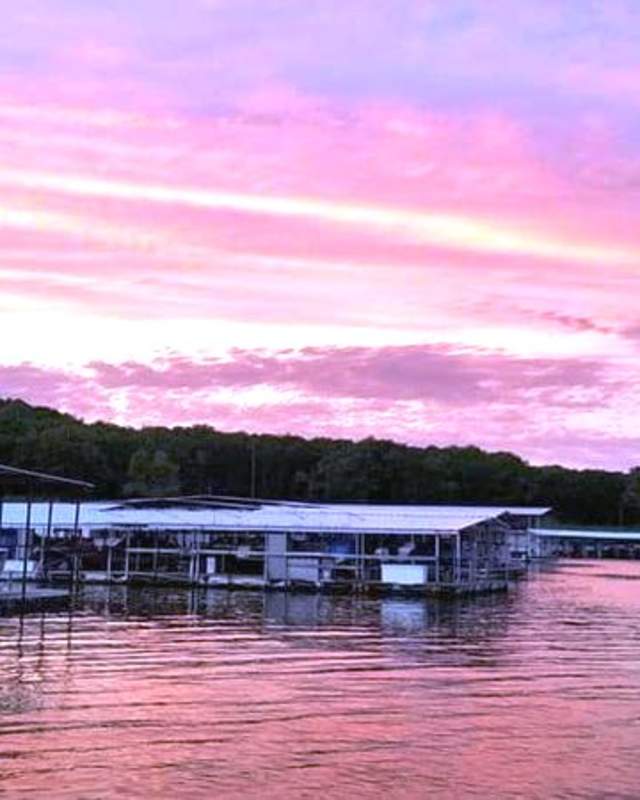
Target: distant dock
column 586, row 543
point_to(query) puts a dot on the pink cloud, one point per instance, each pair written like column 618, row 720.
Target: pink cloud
column 419, row 395
column 424, row 373
column 54, row 388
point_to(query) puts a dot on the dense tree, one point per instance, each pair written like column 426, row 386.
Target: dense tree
column 201, row 460
column 630, row 497
column 152, row 473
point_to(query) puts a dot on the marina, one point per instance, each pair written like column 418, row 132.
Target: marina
column 282, row 545
column 49, row 547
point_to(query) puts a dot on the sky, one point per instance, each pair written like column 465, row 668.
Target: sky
column 408, row 219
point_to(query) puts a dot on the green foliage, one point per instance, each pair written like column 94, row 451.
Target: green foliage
column 200, row 460
column 152, row 473
column 630, row 499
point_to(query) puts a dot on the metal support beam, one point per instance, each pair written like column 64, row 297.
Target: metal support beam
column 43, row 476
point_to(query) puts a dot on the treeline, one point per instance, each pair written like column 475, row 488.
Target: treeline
column 160, row 461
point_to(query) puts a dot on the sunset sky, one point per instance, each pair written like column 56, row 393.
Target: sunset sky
column 412, row 219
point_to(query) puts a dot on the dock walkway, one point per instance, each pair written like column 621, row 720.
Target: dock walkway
column 33, row 599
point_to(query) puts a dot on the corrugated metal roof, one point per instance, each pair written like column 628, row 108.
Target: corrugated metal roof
column 528, row 511
column 558, row 533
column 274, row 517
column 13, row 513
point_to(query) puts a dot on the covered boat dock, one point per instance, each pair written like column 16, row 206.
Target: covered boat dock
column 239, row 542
column 585, row 543
column 21, row 576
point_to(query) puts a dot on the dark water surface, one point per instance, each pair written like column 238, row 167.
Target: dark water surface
column 140, row 694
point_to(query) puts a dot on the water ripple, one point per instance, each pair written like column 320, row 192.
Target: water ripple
column 139, row 694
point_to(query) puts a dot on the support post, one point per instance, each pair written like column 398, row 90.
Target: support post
column 195, row 557
column 155, row 556
column 45, row 539
column 126, row 557
column 109, row 557
column 25, row 545
column 76, row 545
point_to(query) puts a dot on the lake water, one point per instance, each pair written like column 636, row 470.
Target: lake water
column 140, row 694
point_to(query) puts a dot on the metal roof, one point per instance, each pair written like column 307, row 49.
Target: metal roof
column 520, row 511
column 229, row 501
column 559, row 533
column 348, row 518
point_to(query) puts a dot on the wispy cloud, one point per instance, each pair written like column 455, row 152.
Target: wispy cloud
column 442, row 230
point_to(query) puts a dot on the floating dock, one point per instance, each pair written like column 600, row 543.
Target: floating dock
column 585, row 543
column 269, row 544
column 32, row 599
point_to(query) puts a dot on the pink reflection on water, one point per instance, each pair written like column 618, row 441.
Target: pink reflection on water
column 146, row 695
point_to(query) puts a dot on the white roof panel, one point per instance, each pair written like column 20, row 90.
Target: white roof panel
column 558, row 533
column 282, row 516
